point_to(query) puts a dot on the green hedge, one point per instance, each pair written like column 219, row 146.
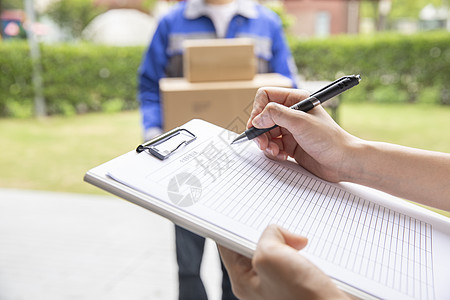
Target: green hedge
column 83, row 77
column 77, row 78
column 395, row 68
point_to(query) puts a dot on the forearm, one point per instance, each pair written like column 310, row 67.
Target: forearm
column 151, row 114
column 418, row 175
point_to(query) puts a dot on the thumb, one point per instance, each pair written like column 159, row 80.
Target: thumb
column 295, row 241
column 274, row 234
column 277, row 114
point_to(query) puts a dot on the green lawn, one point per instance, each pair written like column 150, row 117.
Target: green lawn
column 420, row 126
column 54, row 153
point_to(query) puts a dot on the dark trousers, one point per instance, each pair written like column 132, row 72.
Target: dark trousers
column 189, row 257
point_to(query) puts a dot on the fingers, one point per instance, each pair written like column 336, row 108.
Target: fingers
column 240, row 270
column 285, row 274
column 293, row 240
column 284, row 96
column 234, row 262
column 277, row 253
column 280, row 115
column 264, row 108
column 227, row 255
column 266, row 118
column 275, row 150
column 275, row 235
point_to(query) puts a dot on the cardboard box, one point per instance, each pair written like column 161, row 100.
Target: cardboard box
column 226, row 103
column 219, row 60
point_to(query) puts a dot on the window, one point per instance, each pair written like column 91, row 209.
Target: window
column 323, row 21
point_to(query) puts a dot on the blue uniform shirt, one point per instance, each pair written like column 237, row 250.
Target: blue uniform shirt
column 187, row 21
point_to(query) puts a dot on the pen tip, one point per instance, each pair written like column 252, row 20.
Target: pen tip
column 239, row 139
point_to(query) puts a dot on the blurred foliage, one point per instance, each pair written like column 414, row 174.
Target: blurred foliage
column 149, row 5
column 287, row 20
column 410, row 9
column 399, row 9
column 12, row 4
column 80, row 78
column 73, row 15
column 16, row 89
column 394, row 67
column 77, row 78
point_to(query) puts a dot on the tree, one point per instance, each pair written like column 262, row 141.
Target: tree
column 399, row 9
column 73, row 15
column 410, row 9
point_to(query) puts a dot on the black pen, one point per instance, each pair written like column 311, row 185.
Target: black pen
column 333, row 89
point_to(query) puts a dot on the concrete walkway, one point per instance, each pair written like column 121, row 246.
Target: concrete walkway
column 69, row 246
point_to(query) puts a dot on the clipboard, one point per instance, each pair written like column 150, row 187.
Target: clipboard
column 156, row 149
column 134, row 188
column 164, row 146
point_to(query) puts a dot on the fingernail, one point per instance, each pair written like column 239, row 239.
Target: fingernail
column 282, row 156
column 257, row 143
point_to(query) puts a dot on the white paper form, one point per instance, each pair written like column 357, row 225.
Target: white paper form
column 355, row 235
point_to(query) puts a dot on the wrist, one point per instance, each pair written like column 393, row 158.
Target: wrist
column 355, row 159
column 366, row 163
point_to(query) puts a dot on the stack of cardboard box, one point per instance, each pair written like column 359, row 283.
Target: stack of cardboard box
column 219, row 86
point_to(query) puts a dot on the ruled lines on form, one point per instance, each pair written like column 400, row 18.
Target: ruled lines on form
column 373, row 241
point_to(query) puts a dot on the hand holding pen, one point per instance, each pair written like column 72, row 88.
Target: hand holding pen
column 335, row 88
column 313, row 139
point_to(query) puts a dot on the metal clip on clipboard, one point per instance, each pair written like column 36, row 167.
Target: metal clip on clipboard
column 166, row 144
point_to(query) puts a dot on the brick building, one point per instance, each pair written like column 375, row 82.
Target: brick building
column 323, row 17
column 312, row 17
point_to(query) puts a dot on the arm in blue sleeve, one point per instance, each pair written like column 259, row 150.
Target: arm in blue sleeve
column 150, row 72
column 282, row 61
